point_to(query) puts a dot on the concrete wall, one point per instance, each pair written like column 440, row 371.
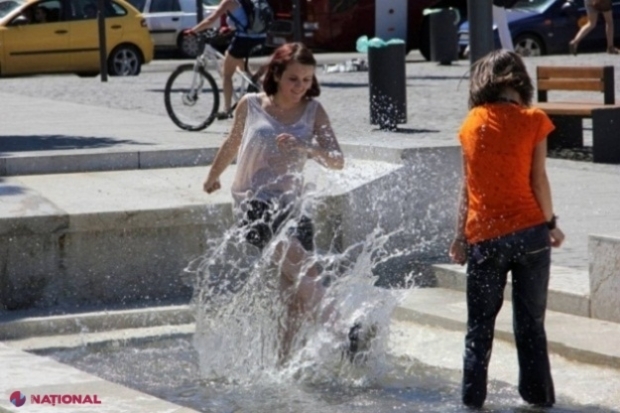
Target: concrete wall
column 127, row 256
column 118, row 258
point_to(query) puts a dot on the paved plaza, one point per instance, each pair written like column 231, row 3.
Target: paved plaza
column 72, row 124
column 67, row 138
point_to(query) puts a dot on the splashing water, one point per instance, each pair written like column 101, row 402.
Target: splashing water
column 240, row 310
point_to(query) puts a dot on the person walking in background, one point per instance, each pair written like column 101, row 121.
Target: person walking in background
column 593, row 13
column 505, row 223
column 500, row 20
column 242, row 43
column 272, row 136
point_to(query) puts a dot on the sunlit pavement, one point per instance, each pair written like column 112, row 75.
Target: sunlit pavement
column 81, row 127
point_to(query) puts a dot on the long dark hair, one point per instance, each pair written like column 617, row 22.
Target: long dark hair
column 495, row 72
column 281, row 58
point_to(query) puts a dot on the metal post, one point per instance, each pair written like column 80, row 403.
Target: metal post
column 480, row 16
column 103, row 54
column 200, row 11
column 297, row 28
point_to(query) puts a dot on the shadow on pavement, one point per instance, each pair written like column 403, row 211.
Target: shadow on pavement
column 343, row 85
column 409, row 130
column 464, row 77
column 10, row 189
column 23, row 143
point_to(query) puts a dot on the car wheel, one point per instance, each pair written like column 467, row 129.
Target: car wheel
column 529, row 45
column 125, row 60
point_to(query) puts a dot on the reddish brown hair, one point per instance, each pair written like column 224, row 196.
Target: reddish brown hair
column 281, row 58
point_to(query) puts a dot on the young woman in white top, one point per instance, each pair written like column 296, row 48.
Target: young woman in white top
column 272, row 136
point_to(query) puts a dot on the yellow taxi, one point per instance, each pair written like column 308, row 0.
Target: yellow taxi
column 62, row 36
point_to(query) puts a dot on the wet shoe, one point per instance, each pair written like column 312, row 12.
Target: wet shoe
column 360, row 340
column 544, row 405
column 223, row 115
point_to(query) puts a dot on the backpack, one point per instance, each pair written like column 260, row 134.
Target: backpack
column 259, row 15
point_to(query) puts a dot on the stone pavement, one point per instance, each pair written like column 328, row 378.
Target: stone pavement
column 73, row 128
column 69, row 124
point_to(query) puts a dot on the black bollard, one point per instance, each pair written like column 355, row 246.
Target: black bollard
column 387, row 82
column 443, row 36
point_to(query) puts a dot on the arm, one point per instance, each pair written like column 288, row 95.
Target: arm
column 327, row 151
column 229, row 149
column 224, row 7
column 542, row 190
column 539, row 180
column 458, row 248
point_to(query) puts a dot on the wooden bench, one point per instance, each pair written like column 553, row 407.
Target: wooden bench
column 568, row 116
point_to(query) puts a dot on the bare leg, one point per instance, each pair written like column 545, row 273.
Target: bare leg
column 302, row 290
column 609, row 31
column 230, row 66
column 499, row 18
column 585, row 29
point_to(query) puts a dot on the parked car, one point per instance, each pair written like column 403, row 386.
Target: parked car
column 540, row 27
column 67, row 41
column 167, row 19
column 330, row 25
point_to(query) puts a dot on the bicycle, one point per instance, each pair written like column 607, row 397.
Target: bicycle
column 192, row 97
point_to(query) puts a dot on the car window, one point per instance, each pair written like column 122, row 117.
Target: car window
column 84, row 9
column 211, row 2
column 138, row 4
column 8, row 6
column 49, row 11
column 87, row 9
column 160, row 6
column 533, row 4
column 115, row 10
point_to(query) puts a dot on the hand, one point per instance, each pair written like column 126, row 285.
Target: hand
column 288, row 143
column 189, row 32
column 458, row 251
column 557, row 237
column 211, row 185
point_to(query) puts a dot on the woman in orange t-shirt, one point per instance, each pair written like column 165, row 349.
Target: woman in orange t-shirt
column 505, row 224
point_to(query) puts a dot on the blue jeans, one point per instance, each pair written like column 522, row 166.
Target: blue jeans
column 527, row 254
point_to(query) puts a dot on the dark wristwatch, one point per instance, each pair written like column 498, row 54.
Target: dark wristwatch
column 552, row 223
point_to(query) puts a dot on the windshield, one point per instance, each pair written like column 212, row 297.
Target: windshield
column 7, row 6
column 532, row 4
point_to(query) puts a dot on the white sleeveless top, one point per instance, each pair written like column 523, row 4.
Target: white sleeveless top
column 263, row 171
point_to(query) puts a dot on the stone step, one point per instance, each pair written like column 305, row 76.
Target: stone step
column 569, row 289
column 22, row 326
column 99, row 338
column 581, row 339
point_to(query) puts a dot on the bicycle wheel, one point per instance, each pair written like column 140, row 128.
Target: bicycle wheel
column 191, row 97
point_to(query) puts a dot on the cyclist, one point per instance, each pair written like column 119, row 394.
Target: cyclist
column 240, row 46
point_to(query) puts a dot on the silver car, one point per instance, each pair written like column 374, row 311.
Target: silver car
column 167, row 19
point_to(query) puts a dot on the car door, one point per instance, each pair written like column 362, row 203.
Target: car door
column 164, row 18
column 84, row 38
column 37, row 47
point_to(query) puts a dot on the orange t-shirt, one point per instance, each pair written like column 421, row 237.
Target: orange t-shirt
column 498, row 142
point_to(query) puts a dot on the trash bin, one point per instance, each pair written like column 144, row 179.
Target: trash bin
column 443, row 33
column 386, row 79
